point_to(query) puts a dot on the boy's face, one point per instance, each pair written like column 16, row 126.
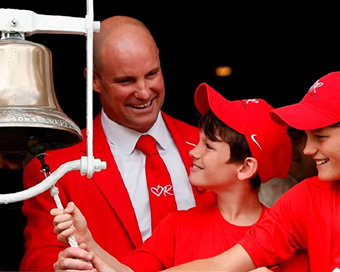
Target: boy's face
column 210, row 168
column 324, row 147
column 302, row 166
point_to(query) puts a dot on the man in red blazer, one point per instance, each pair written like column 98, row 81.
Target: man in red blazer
column 128, row 79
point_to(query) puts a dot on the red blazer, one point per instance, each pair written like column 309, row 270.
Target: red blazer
column 103, row 199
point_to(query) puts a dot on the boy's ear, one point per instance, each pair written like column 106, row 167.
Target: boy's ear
column 249, row 168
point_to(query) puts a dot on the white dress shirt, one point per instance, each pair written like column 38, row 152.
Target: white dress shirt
column 131, row 164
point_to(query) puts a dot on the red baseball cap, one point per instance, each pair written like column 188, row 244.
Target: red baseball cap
column 268, row 141
column 319, row 108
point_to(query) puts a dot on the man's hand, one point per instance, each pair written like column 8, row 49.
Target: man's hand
column 75, row 258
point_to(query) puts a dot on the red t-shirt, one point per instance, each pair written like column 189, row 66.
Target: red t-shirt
column 184, row 236
column 305, row 217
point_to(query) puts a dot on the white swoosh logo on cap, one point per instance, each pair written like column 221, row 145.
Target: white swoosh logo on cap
column 254, row 140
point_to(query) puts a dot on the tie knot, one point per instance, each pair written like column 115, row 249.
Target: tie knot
column 147, row 144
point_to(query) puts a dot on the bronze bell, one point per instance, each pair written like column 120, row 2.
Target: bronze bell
column 31, row 119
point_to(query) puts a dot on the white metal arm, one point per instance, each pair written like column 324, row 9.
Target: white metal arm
column 48, row 182
column 29, row 22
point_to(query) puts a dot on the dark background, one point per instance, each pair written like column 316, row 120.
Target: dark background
column 276, row 52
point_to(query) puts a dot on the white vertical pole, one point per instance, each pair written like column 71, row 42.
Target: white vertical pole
column 89, row 95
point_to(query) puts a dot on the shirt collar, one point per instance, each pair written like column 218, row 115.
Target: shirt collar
column 125, row 139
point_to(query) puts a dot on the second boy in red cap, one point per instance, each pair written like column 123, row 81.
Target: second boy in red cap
column 239, row 147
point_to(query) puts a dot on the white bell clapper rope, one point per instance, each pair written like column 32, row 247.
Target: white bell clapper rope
column 28, row 22
column 54, row 191
column 55, row 194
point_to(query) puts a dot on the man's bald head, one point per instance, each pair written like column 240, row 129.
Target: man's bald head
column 118, row 31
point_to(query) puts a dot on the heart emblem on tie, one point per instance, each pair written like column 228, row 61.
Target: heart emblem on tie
column 160, row 189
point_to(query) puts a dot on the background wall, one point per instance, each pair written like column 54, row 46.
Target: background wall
column 276, row 52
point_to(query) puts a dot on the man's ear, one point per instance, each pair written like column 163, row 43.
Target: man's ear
column 249, row 168
column 96, row 79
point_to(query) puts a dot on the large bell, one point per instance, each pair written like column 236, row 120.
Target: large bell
column 31, row 119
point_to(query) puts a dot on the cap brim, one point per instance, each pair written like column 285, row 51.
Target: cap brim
column 229, row 112
column 207, row 98
column 301, row 116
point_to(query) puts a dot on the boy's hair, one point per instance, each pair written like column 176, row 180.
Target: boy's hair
column 239, row 148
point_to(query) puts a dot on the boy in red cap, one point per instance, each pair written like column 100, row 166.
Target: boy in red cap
column 239, row 147
column 308, row 215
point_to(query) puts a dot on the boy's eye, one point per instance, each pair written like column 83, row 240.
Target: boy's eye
column 208, row 146
column 318, row 136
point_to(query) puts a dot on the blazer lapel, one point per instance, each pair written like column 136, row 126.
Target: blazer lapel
column 184, row 141
column 112, row 186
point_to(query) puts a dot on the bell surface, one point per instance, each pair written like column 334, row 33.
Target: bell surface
column 31, row 119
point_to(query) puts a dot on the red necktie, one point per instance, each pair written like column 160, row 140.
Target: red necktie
column 161, row 193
